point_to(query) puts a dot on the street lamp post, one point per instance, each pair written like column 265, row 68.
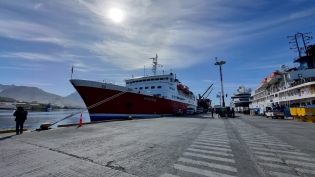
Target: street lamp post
column 220, row 63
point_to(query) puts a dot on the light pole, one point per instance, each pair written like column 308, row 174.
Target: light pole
column 220, row 63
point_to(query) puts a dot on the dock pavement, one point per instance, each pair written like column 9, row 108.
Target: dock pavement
column 197, row 145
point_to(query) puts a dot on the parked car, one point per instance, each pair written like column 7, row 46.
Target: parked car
column 275, row 114
column 177, row 112
column 191, row 111
column 199, row 110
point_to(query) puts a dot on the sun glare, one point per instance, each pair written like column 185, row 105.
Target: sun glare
column 116, row 15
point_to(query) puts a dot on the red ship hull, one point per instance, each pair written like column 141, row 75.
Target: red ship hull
column 125, row 105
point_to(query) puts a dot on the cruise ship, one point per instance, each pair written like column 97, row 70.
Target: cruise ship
column 288, row 88
column 140, row 97
column 240, row 100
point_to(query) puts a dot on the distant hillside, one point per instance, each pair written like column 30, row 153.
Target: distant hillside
column 6, row 99
column 75, row 96
column 28, row 94
column 4, row 87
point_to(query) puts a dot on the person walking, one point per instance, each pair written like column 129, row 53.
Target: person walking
column 20, row 117
column 212, row 110
column 226, row 113
column 233, row 113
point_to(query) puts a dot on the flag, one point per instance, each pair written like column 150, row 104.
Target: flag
column 72, row 69
column 218, row 96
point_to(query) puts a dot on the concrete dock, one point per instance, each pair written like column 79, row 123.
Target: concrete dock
column 197, row 145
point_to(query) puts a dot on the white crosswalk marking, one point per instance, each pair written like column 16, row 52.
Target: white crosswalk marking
column 211, row 152
column 168, row 175
column 276, row 157
column 212, row 148
column 211, row 165
column 209, row 155
column 200, row 171
column 211, row 144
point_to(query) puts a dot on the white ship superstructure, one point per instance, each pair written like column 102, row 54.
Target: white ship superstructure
column 290, row 87
column 240, row 100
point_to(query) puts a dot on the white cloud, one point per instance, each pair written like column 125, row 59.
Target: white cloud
column 37, row 5
column 30, row 56
column 304, row 13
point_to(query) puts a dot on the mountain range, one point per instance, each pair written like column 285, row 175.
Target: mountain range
column 29, row 94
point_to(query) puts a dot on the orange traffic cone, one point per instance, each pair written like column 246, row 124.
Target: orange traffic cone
column 80, row 123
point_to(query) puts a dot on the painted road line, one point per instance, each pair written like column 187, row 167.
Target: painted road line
column 299, row 158
column 207, row 164
column 168, row 175
column 276, row 166
column 264, row 153
column 269, row 144
column 224, row 139
column 200, row 171
column 212, row 144
column 280, row 151
column 209, row 157
column 209, row 141
column 273, row 173
column 274, row 159
column 212, row 148
column 211, row 152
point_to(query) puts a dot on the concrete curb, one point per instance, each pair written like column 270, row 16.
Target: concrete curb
column 10, row 130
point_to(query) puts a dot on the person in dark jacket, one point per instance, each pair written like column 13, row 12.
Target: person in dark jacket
column 20, row 117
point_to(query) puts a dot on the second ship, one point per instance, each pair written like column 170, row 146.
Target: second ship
column 141, row 97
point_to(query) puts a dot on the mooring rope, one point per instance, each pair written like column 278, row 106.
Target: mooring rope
column 92, row 106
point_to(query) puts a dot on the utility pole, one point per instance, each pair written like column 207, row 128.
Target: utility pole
column 220, row 63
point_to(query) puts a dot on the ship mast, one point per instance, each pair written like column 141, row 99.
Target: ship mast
column 155, row 64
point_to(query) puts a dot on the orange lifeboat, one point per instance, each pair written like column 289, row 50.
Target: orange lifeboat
column 273, row 77
column 186, row 90
column 180, row 87
column 263, row 82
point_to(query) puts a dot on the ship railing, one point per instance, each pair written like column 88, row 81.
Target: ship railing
column 302, row 81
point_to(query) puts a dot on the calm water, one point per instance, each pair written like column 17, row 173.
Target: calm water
column 35, row 119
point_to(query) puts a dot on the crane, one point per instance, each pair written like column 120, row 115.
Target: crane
column 200, row 97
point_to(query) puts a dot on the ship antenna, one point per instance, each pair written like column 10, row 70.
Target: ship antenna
column 155, row 64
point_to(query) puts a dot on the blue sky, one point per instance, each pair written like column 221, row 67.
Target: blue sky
column 41, row 40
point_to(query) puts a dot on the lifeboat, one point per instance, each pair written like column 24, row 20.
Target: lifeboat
column 180, row 87
column 186, row 90
column 273, row 77
column 263, row 83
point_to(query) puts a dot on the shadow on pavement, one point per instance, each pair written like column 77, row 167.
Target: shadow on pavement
column 6, row 137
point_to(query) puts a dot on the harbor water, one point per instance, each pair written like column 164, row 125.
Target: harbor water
column 35, row 119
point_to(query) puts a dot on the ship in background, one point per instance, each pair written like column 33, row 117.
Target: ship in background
column 141, row 97
column 290, row 87
column 240, row 100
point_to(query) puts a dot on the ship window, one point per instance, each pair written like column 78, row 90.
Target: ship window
column 171, row 79
column 133, row 81
column 152, row 87
column 148, row 79
column 156, row 79
column 146, row 87
column 161, row 78
column 141, row 88
column 127, row 82
column 152, row 79
column 136, row 81
column 140, row 80
column 166, row 78
column 159, row 86
column 136, row 88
